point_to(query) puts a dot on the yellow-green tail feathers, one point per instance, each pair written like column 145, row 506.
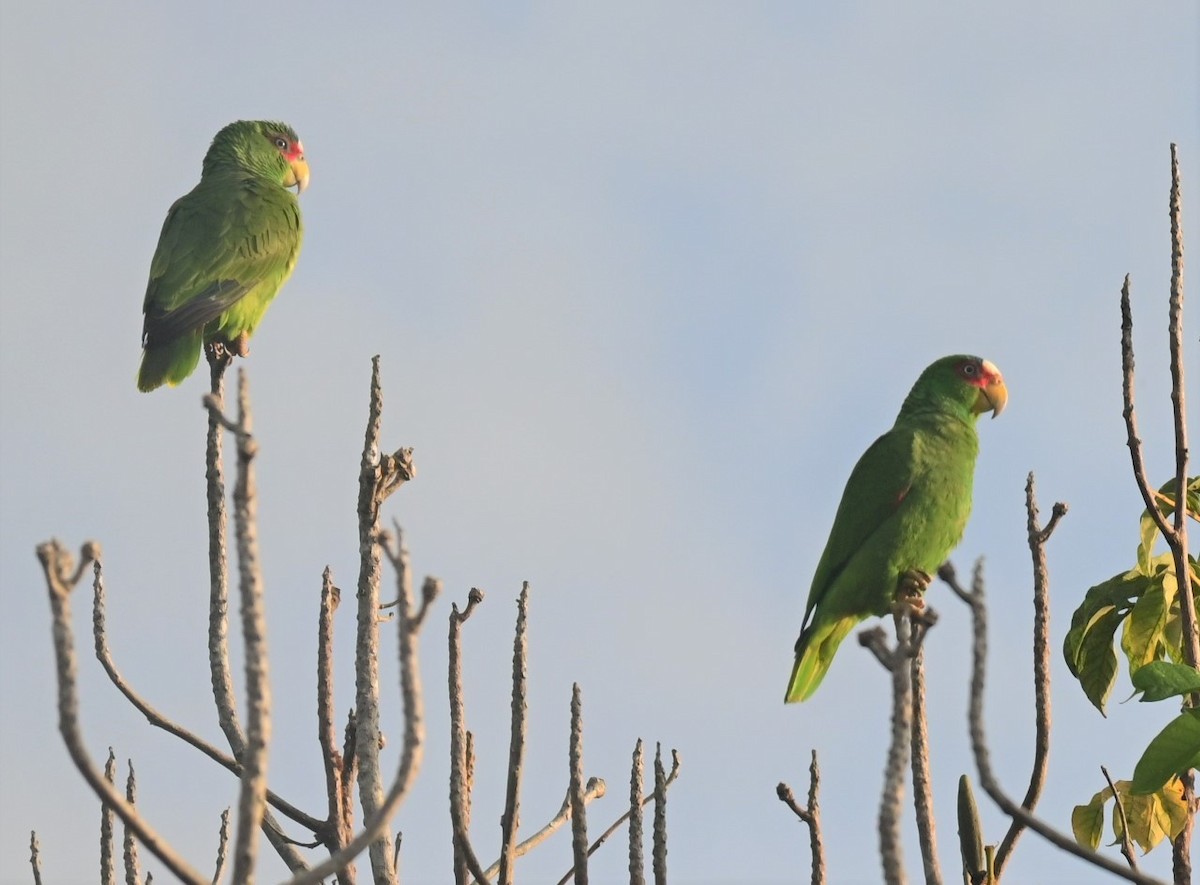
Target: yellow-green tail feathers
column 169, row 362
column 814, row 653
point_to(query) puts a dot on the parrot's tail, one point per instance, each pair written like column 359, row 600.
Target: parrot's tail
column 814, row 653
column 169, row 362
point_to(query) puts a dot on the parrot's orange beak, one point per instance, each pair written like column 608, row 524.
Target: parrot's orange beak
column 297, row 175
column 993, row 395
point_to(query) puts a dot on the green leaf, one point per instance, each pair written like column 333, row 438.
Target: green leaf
column 1152, row 817
column 1144, row 627
column 1160, row 679
column 1087, row 821
column 1173, row 750
column 1097, row 662
column 1166, row 499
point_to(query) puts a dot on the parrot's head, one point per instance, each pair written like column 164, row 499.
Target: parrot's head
column 965, row 383
column 272, row 150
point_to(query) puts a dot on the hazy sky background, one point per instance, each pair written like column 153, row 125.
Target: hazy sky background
column 646, row 279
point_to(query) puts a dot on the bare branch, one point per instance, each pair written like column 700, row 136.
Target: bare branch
column 810, row 815
column 35, row 857
column 892, row 800
column 579, row 842
column 132, row 868
column 511, row 818
column 366, row 665
column 108, row 860
column 220, row 669
column 987, row 778
column 252, row 801
column 464, row 853
column 596, row 788
column 1126, row 843
column 637, row 863
column 158, row 720
column 54, row 560
column 659, row 857
column 1037, row 538
column 413, row 749
column 222, row 845
column 922, row 783
column 636, row 802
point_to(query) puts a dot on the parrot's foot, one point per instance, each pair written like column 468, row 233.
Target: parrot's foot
column 240, row 346
column 910, row 592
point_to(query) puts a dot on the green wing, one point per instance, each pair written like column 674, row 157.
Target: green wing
column 230, row 240
column 878, row 484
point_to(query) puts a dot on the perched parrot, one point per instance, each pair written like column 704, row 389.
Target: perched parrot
column 225, row 250
column 903, row 510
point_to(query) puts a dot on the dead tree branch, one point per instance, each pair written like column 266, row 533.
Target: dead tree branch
column 810, row 815
column 57, row 566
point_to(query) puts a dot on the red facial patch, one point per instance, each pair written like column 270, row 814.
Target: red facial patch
column 295, row 151
column 975, row 373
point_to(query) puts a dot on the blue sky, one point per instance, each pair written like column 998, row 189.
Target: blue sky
column 645, row 282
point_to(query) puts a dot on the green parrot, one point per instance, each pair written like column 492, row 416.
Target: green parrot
column 903, row 510
column 225, row 250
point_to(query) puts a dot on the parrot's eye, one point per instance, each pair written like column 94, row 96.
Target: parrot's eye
column 970, row 370
column 281, row 142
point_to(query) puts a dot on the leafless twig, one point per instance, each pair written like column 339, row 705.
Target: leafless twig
column 159, row 720
column 636, row 801
column 1037, row 538
column 1126, row 842
column 57, row 565
column 637, row 863
column 810, row 814
column 464, row 853
column 132, row 867
column 579, row 842
column 222, row 846
column 922, row 784
column 108, row 861
column 413, row 749
column 35, row 857
column 659, row 860
column 596, row 788
column 510, row 820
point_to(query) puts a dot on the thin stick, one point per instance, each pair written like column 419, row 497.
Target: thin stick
column 57, row 566
column 579, row 842
column 252, row 801
column 637, row 802
column 464, row 853
column 810, row 815
column 1037, row 538
column 338, row 830
column 891, row 802
column 220, row 668
column 132, row 867
column 922, row 783
column 659, row 857
column 1126, row 844
column 510, row 819
column 596, row 788
column 222, row 845
column 637, row 863
column 159, row 720
column 413, row 750
column 108, row 861
column 35, row 857
column 366, row 663
column 987, row 778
